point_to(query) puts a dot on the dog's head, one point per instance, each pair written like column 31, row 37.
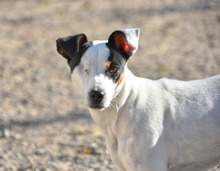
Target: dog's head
column 99, row 65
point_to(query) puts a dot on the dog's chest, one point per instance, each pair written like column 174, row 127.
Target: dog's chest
column 119, row 134
column 120, row 149
column 125, row 140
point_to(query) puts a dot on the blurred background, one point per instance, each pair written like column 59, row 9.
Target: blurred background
column 43, row 123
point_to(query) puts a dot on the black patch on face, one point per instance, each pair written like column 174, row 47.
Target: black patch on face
column 117, row 60
column 73, row 62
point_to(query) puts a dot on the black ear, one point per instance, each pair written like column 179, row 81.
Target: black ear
column 125, row 41
column 70, row 47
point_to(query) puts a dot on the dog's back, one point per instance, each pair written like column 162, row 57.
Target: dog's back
column 192, row 122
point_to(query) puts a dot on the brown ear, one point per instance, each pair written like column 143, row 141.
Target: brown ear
column 125, row 41
column 122, row 44
column 70, row 46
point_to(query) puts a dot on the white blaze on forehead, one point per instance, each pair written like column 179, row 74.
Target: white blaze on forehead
column 95, row 42
column 94, row 59
column 94, row 62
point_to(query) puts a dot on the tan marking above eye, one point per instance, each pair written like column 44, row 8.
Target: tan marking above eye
column 108, row 64
column 111, row 69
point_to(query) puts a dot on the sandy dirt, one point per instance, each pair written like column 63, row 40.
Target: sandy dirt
column 43, row 122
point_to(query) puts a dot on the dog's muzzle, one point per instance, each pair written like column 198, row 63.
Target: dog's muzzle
column 96, row 99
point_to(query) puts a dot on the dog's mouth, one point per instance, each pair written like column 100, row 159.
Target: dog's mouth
column 97, row 106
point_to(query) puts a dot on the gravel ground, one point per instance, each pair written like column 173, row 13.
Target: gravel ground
column 43, row 123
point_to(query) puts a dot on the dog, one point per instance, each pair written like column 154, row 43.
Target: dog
column 149, row 125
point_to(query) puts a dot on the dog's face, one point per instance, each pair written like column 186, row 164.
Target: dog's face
column 99, row 66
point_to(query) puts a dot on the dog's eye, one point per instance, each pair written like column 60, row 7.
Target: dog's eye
column 86, row 71
column 113, row 69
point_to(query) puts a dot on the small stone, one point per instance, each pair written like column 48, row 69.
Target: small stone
column 7, row 133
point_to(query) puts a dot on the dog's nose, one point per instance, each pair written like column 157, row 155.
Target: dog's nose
column 96, row 96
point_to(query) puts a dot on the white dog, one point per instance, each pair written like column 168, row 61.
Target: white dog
column 163, row 125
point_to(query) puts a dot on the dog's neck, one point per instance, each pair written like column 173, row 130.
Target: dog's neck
column 113, row 118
